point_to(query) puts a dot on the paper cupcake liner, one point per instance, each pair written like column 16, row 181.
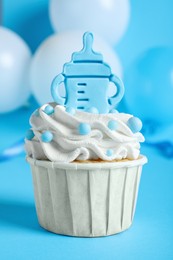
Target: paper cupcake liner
column 86, row 200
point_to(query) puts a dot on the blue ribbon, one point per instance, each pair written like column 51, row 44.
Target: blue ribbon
column 165, row 147
column 159, row 136
column 12, row 151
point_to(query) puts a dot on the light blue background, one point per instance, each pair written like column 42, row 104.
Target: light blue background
column 151, row 236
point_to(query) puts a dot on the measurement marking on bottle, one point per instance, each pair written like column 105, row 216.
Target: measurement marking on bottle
column 81, row 84
column 83, row 99
column 80, row 91
column 80, row 107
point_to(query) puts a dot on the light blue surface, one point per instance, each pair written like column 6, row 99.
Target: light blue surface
column 151, row 235
column 86, row 79
column 21, row 237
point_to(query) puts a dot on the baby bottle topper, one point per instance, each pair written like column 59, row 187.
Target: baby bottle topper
column 86, row 79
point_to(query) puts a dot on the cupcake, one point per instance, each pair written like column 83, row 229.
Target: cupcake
column 85, row 155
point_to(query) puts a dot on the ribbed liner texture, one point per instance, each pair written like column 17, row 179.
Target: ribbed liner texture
column 86, row 202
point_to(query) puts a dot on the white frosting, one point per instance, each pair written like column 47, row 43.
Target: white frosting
column 68, row 145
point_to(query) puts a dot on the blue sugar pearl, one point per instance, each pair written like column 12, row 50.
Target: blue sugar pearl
column 92, row 110
column 112, row 125
column 135, row 124
column 70, row 110
column 109, row 152
column 113, row 111
column 36, row 113
column 84, row 129
column 29, row 135
column 49, row 110
column 47, row 137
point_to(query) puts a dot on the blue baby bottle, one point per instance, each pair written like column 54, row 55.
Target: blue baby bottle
column 86, row 79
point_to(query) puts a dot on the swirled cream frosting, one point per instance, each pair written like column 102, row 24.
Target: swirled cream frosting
column 58, row 134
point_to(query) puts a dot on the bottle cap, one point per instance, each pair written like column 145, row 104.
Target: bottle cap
column 87, row 62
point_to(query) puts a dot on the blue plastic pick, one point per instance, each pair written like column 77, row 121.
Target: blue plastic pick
column 86, row 79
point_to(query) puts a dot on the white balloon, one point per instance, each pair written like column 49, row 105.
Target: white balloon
column 15, row 58
column 107, row 18
column 56, row 50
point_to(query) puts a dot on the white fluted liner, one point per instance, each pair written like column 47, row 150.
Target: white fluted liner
column 88, row 200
